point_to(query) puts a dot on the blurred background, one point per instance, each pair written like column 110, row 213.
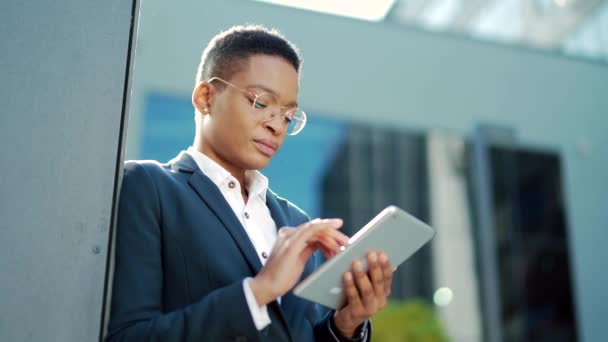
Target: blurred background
column 484, row 118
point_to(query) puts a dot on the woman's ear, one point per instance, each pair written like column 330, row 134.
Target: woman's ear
column 201, row 97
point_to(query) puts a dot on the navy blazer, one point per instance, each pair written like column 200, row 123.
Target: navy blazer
column 181, row 258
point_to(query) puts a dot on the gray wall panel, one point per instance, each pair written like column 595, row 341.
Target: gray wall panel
column 63, row 68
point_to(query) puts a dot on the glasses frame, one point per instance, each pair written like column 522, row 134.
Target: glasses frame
column 273, row 115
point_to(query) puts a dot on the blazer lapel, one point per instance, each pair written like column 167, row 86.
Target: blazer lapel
column 277, row 213
column 213, row 198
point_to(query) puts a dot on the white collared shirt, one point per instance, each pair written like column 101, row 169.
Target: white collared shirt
column 253, row 215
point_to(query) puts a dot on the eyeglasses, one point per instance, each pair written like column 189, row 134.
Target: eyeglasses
column 267, row 105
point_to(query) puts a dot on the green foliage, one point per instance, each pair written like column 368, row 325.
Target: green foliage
column 409, row 321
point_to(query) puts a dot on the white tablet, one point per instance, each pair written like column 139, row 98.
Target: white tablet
column 393, row 231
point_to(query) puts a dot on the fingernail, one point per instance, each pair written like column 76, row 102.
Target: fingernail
column 383, row 257
column 372, row 257
column 348, row 276
column 358, row 266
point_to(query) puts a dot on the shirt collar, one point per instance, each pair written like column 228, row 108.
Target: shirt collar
column 255, row 182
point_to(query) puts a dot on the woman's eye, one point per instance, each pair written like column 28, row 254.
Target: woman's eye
column 259, row 105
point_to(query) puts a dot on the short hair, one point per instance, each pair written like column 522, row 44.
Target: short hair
column 227, row 53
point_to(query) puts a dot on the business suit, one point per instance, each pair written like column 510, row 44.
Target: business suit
column 181, row 257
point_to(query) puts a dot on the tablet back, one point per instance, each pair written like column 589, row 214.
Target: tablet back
column 393, row 231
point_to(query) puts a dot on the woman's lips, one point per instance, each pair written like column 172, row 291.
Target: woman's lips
column 267, row 147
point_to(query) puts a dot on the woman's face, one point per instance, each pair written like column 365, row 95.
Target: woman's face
column 233, row 134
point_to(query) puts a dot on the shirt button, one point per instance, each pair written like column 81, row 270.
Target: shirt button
column 264, row 255
column 246, row 215
column 231, row 185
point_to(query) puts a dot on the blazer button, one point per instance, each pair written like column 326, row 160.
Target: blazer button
column 264, row 255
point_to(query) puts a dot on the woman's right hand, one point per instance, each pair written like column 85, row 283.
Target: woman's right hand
column 291, row 251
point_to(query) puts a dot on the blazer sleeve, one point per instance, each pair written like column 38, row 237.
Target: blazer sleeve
column 137, row 312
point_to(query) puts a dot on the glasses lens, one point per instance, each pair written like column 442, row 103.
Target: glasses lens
column 266, row 103
column 267, row 106
column 296, row 121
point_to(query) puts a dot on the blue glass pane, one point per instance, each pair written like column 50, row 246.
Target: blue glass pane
column 167, row 126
